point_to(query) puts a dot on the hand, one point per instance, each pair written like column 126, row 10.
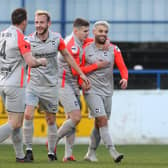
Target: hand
column 43, row 61
column 85, row 80
column 102, row 64
column 85, row 87
column 106, row 45
column 123, row 83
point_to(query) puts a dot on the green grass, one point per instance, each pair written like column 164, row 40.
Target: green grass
column 136, row 156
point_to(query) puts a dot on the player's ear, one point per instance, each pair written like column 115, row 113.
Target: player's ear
column 49, row 23
column 75, row 30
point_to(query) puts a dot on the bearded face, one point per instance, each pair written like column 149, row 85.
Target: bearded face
column 41, row 24
column 100, row 33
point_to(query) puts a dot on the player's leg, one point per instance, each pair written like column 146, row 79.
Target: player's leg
column 102, row 122
column 94, row 142
column 69, row 125
column 14, row 103
column 70, row 139
column 49, row 104
column 5, row 129
column 69, row 143
column 95, row 135
column 97, row 107
column 28, row 126
column 28, row 129
column 52, row 134
column 71, row 106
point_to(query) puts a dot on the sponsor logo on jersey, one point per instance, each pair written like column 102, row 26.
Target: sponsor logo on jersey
column 74, row 49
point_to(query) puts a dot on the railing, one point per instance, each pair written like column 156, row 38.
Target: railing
column 157, row 72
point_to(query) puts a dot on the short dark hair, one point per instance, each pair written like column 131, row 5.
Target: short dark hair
column 18, row 16
column 79, row 22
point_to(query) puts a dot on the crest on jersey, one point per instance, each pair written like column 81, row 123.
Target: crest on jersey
column 97, row 110
column 74, row 49
column 53, row 43
column 117, row 49
column 26, row 39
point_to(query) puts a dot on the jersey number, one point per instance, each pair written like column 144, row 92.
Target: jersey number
column 2, row 51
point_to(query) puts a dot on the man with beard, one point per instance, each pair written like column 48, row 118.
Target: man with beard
column 99, row 97
column 15, row 53
column 43, row 82
column 69, row 91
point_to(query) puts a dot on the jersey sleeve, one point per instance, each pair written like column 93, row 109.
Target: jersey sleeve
column 74, row 51
column 87, row 41
column 120, row 63
column 23, row 44
column 85, row 68
column 62, row 45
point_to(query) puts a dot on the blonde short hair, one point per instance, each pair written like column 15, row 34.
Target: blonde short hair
column 43, row 12
column 101, row 22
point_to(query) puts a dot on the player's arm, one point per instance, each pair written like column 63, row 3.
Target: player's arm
column 69, row 59
column 121, row 66
column 92, row 67
column 25, row 49
column 32, row 62
column 75, row 51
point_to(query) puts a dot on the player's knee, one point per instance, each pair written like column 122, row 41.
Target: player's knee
column 29, row 113
column 101, row 121
column 16, row 125
column 28, row 116
column 76, row 118
column 16, row 136
column 50, row 119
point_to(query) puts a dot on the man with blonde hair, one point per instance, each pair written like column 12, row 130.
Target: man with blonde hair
column 42, row 88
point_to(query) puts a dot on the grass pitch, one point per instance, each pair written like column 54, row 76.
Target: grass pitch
column 136, row 156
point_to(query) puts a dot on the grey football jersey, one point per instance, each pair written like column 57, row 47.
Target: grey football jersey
column 12, row 64
column 101, row 79
column 74, row 46
column 45, row 76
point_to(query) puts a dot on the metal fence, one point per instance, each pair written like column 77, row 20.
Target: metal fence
column 144, row 79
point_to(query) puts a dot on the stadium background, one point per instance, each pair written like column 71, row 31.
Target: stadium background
column 140, row 29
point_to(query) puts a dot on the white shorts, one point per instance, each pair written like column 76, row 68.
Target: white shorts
column 46, row 97
column 69, row 99
column 99, row 105
column 13, row 98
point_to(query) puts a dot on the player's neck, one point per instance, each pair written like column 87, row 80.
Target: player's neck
column 43, row 37
column 21, row 27
column 98, row 45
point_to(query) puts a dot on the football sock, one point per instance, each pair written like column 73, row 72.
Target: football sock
column 52, row 134
column 94, row 140
column 28, row 129
column 65, row 129
column 69, row 142
column 17, row 142
column 5, row 131
column 105, row 136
